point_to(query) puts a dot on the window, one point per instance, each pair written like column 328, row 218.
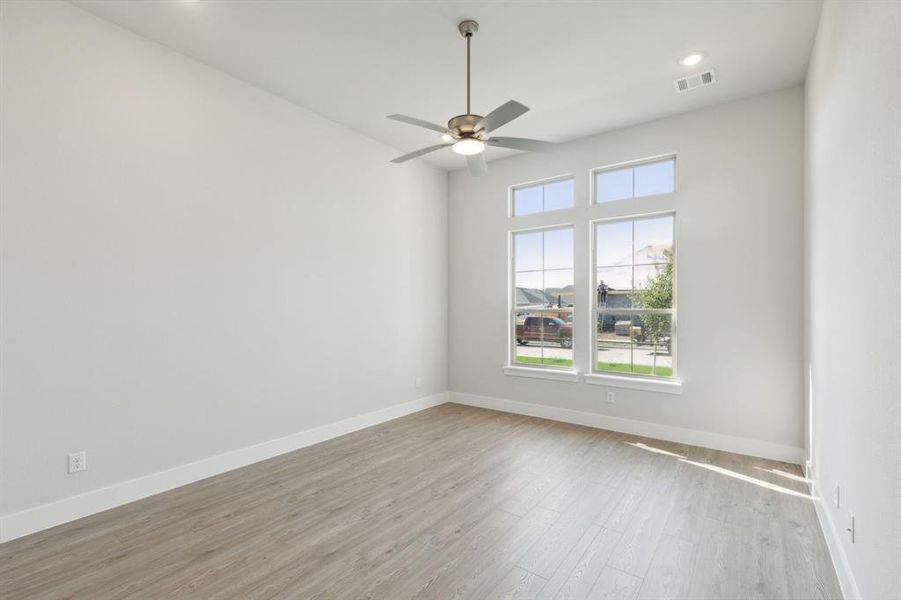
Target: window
column 634, row 273
column 542, row 197
column 543, row 298
column 629, row 281
column 641, row 179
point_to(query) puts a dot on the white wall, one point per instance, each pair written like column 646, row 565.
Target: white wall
column 191, row 265
column 853, row 287
column 739, row 271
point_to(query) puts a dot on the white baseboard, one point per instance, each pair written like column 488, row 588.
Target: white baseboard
column 42, row 517
column 707, row 439
column 843, row 571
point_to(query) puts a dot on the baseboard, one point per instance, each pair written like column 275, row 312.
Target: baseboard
column 42, row 517
column 670, row 433
column 843, row 571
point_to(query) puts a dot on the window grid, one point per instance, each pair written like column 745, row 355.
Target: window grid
column 547, row 346
column 598, row 312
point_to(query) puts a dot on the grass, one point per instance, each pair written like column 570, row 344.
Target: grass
column 600, row 366
column 637, row 369
column 536, row 360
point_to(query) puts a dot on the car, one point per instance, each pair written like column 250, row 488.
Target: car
column 544, row 329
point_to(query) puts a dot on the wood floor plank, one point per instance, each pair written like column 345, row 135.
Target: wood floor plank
column 451, row 502
column 580, row 570
column 615, row 585
column 413, row 569
column 723, row 563
column 670, row 573
column 466, row 550
column 534, row 492
column 518, row 583
column 551, row 550
column 691, row 497
column 644, row 531
column 477, row 576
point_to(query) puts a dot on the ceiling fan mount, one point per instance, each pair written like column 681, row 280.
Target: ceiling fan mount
column 468, row 28
column 469, row 134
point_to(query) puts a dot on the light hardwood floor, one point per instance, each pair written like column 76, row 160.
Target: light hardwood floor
column 451, row 502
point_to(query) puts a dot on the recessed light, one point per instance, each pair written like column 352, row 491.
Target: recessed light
column 690, row 60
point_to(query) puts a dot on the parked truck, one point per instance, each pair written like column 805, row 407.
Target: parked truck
column 544, row 329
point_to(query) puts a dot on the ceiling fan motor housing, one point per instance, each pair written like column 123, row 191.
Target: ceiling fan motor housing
column 464, row 125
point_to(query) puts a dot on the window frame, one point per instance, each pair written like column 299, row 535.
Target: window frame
column 594, row 311
column 513, row 366
column 593, row 177
column 511, row 195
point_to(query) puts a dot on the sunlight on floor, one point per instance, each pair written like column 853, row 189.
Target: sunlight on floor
column 733, row 474
column 760, row 482
column 654, row 450
column 785, row 474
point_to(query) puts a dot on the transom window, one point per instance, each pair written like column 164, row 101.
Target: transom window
column 636, row 180
column 543, row 197
column 543, row 298
column 633, row 310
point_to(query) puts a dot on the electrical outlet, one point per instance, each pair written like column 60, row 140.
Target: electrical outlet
column 853, row 527
column 838, row 495
column 611, row 397
column 78, row 461
column 418, row 382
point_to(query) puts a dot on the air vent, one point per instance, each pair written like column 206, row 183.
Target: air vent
column 695, row 81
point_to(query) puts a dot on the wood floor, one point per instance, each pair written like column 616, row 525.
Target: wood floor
column 451, row 502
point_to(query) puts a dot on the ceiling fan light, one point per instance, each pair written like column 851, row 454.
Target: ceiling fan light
column 468, row 147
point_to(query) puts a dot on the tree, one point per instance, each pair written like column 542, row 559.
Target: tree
column 657, row 293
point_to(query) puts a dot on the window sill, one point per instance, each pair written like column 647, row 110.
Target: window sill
column 536, row 373
column 666, row 386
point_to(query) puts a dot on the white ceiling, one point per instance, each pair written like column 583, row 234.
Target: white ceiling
column 582, row 67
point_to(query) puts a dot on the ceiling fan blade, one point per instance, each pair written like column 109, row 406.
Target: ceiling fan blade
column 520, row 144
column 418, row 123
column 477, row 165
column 419, row 152
column 502, row 115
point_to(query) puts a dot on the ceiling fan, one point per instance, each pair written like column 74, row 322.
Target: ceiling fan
column 469, row 134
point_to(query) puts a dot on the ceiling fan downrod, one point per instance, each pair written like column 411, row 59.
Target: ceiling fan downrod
column 468, row 29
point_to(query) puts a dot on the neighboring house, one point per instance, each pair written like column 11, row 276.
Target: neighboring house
column 531, row 297
column 536, row 298
column 615, row 299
